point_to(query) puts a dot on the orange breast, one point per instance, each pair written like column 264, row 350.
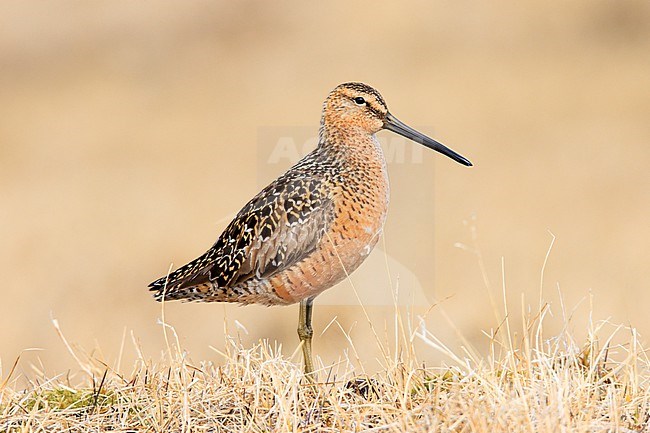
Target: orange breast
column 361, row 206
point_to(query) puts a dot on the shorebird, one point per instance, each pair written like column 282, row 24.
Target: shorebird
column 311, row 227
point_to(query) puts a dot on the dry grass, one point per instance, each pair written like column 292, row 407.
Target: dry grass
column 526, row 383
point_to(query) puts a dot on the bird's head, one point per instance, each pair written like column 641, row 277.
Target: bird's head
column 357, row 107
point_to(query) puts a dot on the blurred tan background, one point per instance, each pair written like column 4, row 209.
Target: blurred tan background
column 130, row 132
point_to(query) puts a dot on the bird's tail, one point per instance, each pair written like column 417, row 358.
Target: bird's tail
column 160, row 287
column 179, row 284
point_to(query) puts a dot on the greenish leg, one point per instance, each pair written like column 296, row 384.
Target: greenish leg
column 305, row 332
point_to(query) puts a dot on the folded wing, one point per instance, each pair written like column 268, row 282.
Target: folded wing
column 275, row 230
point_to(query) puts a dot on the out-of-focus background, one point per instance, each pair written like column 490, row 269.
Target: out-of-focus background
column 131, row 132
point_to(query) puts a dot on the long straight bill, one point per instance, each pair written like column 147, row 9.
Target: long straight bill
column 393, row 124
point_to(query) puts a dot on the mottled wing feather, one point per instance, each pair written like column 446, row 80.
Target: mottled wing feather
column 276, row 229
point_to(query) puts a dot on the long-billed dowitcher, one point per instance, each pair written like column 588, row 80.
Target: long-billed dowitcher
column 312, row 226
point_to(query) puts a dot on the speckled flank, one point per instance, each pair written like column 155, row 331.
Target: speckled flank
column 308, row 229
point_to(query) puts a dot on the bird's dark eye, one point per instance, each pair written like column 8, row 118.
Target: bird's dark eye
column 359, row 100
